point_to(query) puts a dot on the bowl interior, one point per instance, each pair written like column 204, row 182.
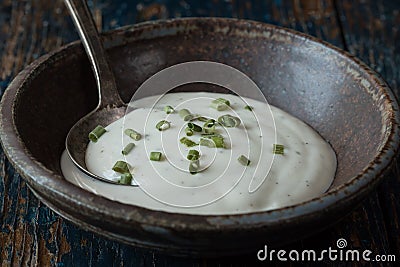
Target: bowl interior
column 310, row 81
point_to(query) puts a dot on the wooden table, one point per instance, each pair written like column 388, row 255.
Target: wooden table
column 33, row 235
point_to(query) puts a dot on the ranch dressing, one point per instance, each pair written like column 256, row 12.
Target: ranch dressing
column 304, row 171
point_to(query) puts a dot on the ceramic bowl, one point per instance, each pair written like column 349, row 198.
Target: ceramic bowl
column 335, row 93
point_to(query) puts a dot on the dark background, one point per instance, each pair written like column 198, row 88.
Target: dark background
column 33, row 235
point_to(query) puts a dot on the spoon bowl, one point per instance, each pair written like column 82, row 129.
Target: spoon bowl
column 77, row 138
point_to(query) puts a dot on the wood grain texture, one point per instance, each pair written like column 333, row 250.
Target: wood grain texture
column 372, row 33
column 33, row 235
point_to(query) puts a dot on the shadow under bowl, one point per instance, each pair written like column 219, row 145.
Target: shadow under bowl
column 340, row 97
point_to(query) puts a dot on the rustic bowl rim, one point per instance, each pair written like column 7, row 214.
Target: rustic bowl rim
column 38, row 176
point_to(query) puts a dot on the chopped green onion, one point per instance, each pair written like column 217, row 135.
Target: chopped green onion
column 126, row 178
column 209, row 123
column 223, row 100
column 193, row 155
column 155, row 156
column 209, row 130
column 185, row 114
column 278, row 149
column 249, row 108
column 194, row 127
column 206, row 142
column 133, row 134
column 209, row 126
column 220, row 104
column 163, row 125
column 194, row 166
column 201, row 118
column 121, row 167
column 212, row 140
column 243, row 160
column 187, row 142
column 188, row 131
column 128, row 148
column 218, row 140
column 96, row 133
column 168, row 109
column 229, row 120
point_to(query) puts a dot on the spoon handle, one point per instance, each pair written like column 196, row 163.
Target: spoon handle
column 107, row 88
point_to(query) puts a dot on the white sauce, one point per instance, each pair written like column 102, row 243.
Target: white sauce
column 305, row 171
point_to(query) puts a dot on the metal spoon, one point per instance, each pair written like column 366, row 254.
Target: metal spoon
column 110, row 106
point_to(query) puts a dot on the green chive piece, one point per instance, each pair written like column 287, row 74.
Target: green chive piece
column 126, row 178
column 249, row 108
column 128, row 148
column 207, row 142
column 194, row 127
column 209, row 130
column 96, row 133
column 209, row 126
column 278, row 149
column 220, row 104
column 155, row 156
column 185, row 114
column 194, row 166
column 121, row 167
column 212, row 140
column 243, row 160
column 163, row 125
column 219, row 141
column 193, row 155
column 209, row 123
column 229, row 120
column 188, row 131
column 202, row 119
column 223, row 100
column 187, row 142
column 133, row 134
column 169, row 109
